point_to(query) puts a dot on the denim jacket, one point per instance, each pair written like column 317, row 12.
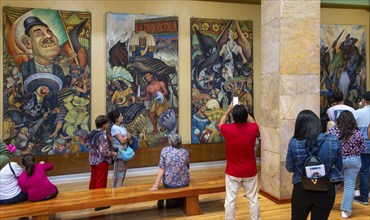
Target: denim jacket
column 330, row 154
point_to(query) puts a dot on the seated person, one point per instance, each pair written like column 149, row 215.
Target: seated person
column 9, row 191
column 173, row 166
column 34, row 181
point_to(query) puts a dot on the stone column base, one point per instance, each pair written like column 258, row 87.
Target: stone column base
column 273, row 198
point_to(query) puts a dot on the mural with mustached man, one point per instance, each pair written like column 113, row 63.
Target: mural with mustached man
column 46, row 78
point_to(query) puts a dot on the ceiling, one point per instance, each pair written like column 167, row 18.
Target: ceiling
column 365, row 4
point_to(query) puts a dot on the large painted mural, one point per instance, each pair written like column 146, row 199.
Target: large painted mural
column 342, row 63
column 46, row 63
column 221, row 68
column 142, row 80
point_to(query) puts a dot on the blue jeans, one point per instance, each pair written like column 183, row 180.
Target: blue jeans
column 351, row 167
column 364, row 175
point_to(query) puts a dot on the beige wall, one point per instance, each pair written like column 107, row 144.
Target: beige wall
column 183, row 9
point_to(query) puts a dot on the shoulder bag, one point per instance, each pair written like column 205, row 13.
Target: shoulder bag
column 126, row 154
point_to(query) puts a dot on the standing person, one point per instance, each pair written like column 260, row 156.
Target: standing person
column 307, row 133
column 100, row 154
column 33, row 180
column 362, row 117
column 338, row 106
column 120, row 138
column 353, row 144
column 173, row 166
column 241, row 167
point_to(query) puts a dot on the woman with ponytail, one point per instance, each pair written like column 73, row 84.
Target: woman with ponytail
column 306, row 140
column 33, row 180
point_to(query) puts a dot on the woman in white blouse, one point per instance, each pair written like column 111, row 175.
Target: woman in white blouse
column 9, row 191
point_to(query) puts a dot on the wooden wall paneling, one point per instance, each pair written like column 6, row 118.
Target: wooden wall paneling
column 144, row 157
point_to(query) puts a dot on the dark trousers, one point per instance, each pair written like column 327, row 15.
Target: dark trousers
column 18, row 198
column 171, row 203
column 53, row 195
column 99, row 176
column 318, row 203
column 364, row 175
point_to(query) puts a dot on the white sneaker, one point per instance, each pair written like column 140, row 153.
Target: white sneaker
column 357, row 192
column 346, row 214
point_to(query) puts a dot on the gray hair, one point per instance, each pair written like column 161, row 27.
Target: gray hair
column 175, row 140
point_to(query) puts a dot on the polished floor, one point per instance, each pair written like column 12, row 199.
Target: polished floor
column 212, row 204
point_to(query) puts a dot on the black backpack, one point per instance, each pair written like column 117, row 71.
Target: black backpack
column 315, row 176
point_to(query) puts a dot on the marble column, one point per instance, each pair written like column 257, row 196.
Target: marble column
column 290, row 43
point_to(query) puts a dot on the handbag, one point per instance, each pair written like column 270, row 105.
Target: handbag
column 320, row 184
column 127, row 154
column 314, row 176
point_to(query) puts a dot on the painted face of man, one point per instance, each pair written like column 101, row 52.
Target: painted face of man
column 149, row 77
column 117, row 84
column 43, row 42
column 59, row 147
column 142, row 41
column 45, row 90
column 202, row 109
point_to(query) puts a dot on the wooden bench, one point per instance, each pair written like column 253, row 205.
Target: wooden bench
column 72, row 201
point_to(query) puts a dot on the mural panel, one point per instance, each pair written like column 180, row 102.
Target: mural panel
column 342, row 64
column 142, row 69
column 46, row 80
column 222, row 68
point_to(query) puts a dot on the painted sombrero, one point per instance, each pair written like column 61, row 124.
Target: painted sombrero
column 214, row 114
column 34, row 81
column 202, row 99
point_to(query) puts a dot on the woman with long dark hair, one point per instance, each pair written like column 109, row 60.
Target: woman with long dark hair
column 353, row 144
column 307, row 135
column 33, row 180
column 120, row 137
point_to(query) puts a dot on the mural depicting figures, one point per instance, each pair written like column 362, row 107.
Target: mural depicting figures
column 46, row 63
column 142, row 69
column 342, row 63
column 222, row 68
